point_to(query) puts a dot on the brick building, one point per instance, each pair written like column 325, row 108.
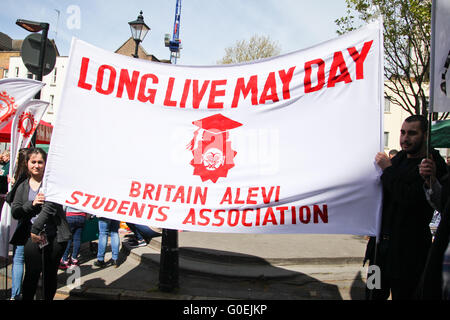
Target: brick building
column 128, row 48
column 11, row 66
column 8, row 48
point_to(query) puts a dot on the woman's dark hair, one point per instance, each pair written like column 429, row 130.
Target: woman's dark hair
column 21, row 173
column 21, row 166
column 40, row 151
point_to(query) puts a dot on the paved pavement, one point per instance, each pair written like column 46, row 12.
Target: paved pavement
column 228, row 266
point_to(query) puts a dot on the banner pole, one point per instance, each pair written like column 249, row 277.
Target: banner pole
column 381, row 83
column 432, row 66
column 43, row 273
column 6, row 277
column 430, row 118
column 375, row 258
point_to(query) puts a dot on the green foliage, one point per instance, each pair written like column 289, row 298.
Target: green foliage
column 407, row 35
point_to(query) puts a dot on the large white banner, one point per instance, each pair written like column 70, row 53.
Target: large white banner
column 284, row 145
column 440, row 57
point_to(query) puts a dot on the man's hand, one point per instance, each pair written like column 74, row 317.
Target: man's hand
column 427, row 169
column 383, row 160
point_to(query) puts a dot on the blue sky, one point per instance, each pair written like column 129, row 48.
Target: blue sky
column 207, row 26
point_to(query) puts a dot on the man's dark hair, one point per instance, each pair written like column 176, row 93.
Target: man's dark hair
column 423, row 121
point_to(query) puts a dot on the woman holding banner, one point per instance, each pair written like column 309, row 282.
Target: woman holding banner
column 43, row 248
column 19, row 237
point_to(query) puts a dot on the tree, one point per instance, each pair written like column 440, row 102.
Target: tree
column 407, row 36
column 258, row 47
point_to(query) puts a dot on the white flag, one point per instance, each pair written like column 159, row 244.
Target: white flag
column 7, row 227
column 282, row 145
column 440, row 57
column 24, row 126
column 25, row 122
column 14, row 93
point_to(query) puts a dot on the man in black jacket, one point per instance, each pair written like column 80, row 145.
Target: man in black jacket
column 405, row 235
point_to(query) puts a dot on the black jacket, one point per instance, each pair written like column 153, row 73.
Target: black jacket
column 431, row 282
column 52, row 214
column 23, row 210
column 405, row 236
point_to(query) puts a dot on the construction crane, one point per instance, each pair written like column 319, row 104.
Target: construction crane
column 174, row 44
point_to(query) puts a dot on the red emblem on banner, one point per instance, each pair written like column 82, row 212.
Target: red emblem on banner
column 7, row 107
column 212, row 152
column 27, row 124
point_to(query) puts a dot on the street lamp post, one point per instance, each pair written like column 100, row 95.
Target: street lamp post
column 34, row 26
column 168, row 266
column 138, row 31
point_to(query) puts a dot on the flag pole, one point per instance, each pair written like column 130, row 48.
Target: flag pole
column 381, row 92
column 6, row 276
column 432, row 67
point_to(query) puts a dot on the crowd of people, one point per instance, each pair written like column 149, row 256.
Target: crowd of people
column 415, row 184
column 48, row 235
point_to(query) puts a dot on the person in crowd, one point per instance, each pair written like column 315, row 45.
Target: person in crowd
column 4, row 172
column 76, row 219
column 106, row 228
column 137, row 240
column 438, row 193
column 22, row 231
column 405, row 236
column 142, row 233
column 43, row 248
column 392, row 153
column 446, row 274
column 5, row 157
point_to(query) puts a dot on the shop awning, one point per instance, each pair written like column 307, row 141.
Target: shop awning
column 440, row 134
column 43, row 133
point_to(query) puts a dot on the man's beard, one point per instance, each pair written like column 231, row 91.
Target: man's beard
column 416, row 149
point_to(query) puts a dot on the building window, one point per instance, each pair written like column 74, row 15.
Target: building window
column 386, row 139
column 5, row 73
column 17, row 72
column 387, row 105
column 29, row 75
column 50, row 105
